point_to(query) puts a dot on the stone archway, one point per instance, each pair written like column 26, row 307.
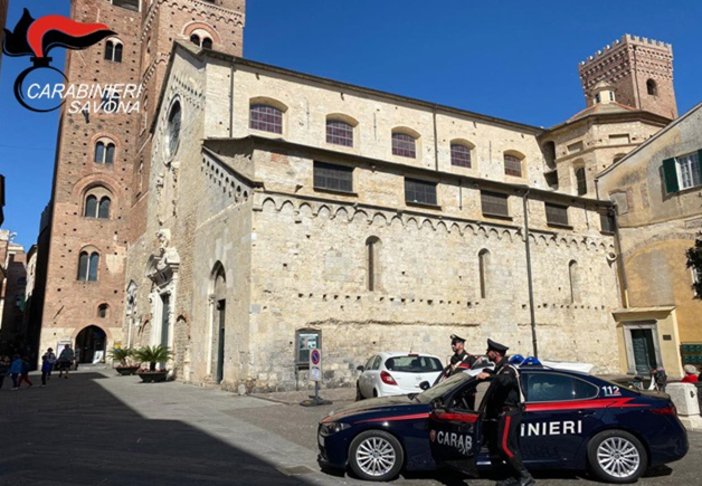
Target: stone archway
column 219, row 307
column 89, row 342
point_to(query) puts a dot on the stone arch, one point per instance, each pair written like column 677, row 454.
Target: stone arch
column 266, row 100
column 218, row 300
column 506, row 235
column 197, row 25
column 342, row 214
column 89, row 340
column 343, row 117
column 412, row 223
column 268, row 203
column 427, row 223
column 306, row 210
column 442, row 225
column 379, row 219
column 287, row 207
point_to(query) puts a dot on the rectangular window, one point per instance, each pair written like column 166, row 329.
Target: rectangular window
column 420, row 192
column 333, row 177
column 556, row 215
column 494, row 203
column 404, row 145
column 607, row 222
column 689, row 174
column 513, row 165
column 128, row 4
column 339, row 133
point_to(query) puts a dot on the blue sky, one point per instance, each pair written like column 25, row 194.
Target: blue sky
column 511, row 59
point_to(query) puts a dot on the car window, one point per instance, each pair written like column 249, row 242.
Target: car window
column 413, row 364
column 369, row 365
column 376, row 363
column 443, row 388
column 552, row 387
column 466, row 399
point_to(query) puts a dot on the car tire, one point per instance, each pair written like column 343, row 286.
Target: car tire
column 616, row 456
column 376, row 455
column 359, row 395
column 375, row 393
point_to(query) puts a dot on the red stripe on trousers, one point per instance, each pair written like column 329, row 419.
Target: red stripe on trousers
column 508, row 419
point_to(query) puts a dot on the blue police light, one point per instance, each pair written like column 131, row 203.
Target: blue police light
column 517, row 359
column 531, row 361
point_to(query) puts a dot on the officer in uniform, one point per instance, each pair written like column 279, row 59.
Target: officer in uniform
column 460, row 359
column 504, row 404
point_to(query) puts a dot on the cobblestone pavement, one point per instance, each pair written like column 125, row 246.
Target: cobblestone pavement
column 97, row 428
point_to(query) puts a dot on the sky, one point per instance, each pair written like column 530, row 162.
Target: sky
column 510, row 59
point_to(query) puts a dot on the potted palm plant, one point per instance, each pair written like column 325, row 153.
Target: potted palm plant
column 124, row 356
column 153, row 355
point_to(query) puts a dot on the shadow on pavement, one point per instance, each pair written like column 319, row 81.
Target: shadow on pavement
column 75, row 432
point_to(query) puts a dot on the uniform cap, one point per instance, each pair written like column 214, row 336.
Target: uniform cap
column 457, row 339
column 500, row 348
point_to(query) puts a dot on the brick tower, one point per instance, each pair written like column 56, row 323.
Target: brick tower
column 102, row 159
column 640, row 69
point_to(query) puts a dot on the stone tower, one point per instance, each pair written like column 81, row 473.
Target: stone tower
column 641, row 71
column 102, row 158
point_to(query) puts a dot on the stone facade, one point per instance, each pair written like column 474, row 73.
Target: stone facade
column 657, row 224
column 243, row 206
column 12, row 295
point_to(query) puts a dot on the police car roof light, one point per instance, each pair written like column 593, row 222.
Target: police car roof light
column 531, row 361
column 516, row 359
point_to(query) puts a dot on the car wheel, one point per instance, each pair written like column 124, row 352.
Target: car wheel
column 616, row 456
column 375, row 393
column 359, row 395
column 376, row 455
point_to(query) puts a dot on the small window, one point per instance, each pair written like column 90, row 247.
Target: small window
column 174, row 120
column 104, row 208
column 113, row 51
column 90, row 207
column 484, row 272
column 420, row 192
column 266, row 118
column 333, row 177
column 110, row 101
column 339, row 133
column 128, row 4
column 597, row 98
column 574, row 277
column 207, row 43
column 372, row 263
column 460, row 155
column 550, row 387
column 104, row 153
column 195, row 39
column 307, row 340
column 607, row 222
column 88, row 266
column 689, row 174
column 611, row 96
column 513, row 165
column 651, row 87
column 494, row 204
column 102, row 310
column 404, row 145
column 581, row 180
column 556, row 215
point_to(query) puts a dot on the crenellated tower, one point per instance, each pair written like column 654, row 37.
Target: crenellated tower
column 641, row 71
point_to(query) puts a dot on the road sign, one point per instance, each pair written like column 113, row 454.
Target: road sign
column 315, row 365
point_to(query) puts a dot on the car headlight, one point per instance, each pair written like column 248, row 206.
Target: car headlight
column 332, row 428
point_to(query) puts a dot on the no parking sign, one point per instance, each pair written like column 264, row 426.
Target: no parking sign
column 315, row 365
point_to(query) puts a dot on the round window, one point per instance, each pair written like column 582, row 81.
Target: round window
column 173, row 129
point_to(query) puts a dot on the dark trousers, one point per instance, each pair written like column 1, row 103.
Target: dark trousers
column 44, row 374
column 508, row 427
column 15, row 377
column 2, row 378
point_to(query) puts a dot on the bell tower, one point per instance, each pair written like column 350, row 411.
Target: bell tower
column 639, row 69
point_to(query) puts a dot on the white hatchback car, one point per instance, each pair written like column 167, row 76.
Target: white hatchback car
column 398, row 373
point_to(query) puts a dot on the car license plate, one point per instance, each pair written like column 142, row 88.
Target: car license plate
column 320, row 439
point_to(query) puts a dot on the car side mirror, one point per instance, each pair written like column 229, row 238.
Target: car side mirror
column 424, row 385
column 360, row 368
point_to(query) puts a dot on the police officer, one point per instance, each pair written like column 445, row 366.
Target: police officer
column 460, row 359
column 504, row 403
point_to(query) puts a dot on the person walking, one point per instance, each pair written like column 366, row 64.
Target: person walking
column 51, row 358
column 460, row 360
column 505, row 403
column 690, row 374
column 4, row 368
column 15, row 370
column 65, row 359
column 24, row 373
column 45, row 369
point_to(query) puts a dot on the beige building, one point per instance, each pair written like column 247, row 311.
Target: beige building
column 657, row 190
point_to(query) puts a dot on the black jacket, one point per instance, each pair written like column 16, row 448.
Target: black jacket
column 504, row 390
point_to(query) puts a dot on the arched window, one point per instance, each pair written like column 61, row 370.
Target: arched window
column 340, row 133
column 88, row 266
column 104, row 153
column 195, row 39
column 581, row 179
column 404, row 145
column 174, row 119
column 574, row 282
column 104, row 208
column 207, row 43
column 513, row 165
column 266, row 118
column 113, row 51
column 460, row 155
column 90, row 207
column 201, row 39
column 372, row 263
column 484, row 271
column 102, row 310
column 651, row 87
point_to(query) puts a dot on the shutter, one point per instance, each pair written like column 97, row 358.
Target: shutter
column 699, row 163
column 670, row 174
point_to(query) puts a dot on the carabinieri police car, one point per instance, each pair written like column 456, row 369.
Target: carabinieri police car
column 572, row 421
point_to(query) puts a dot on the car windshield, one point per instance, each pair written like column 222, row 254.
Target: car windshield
column 413, row 364
column 443, row 387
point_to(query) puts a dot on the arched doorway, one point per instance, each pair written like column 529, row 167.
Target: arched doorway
column 89, row 341
column 219, row 319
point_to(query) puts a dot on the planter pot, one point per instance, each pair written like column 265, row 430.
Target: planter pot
column 152, row 376
column 127, row 370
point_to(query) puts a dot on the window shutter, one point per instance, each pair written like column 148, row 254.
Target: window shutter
column 699, row 162
column 670, row 175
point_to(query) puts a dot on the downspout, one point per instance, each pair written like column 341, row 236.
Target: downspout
column 436, row 142
column 636, row 81
column 532, row 315
column 231, row 100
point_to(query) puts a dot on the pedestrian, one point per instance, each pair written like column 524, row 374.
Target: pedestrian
column 45, row 369
column 690, row 374
column 504, row 403
column 460, row 360
column 51, row 358
column 65, row 359
column 4, row 368
column 24, row 373
column 15, row 370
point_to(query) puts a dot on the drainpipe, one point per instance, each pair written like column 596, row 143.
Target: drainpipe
column 231, row 100
column 436, row 142
column 532, row 314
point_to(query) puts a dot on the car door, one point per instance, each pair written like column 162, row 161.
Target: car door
column 561, row 412
column 455, row 429
column 370, row 375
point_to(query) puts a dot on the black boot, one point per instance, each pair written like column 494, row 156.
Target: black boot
column 525, row 479
column 507, row 482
